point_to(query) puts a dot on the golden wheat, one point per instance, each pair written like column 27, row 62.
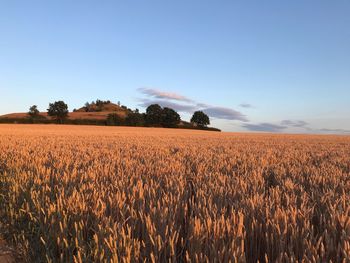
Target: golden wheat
column 106, row 194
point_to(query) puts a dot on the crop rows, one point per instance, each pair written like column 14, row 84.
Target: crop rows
column 99, row 194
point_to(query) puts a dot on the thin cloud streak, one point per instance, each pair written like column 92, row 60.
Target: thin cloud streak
column 334, row 130
column 158, row 94
column 293, row 123
column 164, row 103
column 246, row 105
column 202, row 105
column 225, row 113
column 285, row 124
column 264, row 127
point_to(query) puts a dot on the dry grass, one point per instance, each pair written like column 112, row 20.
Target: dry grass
column 92, row 194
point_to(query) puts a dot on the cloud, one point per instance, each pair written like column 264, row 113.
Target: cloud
column 264, row 127
column 166, row 99
column 164, row 95
column 334, row 130
column 293, row 123
column 164, row 103
column 225, row 113
column 246, row 105
column 203, row 105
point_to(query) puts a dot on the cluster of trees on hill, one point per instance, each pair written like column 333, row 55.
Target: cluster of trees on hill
column 155, row 116
column 97, row 106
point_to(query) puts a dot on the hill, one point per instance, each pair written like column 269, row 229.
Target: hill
column 91, row 111
column 94, row 113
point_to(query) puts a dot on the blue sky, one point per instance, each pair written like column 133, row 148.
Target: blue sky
column 281, row 66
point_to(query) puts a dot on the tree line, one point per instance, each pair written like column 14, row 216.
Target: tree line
column 155, row 116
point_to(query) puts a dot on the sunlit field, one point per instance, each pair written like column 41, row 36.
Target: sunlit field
column 113, row 194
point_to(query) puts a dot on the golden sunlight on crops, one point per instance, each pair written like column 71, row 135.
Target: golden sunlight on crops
column 112, row 194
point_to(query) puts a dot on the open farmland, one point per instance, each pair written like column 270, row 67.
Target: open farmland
column 112, row 194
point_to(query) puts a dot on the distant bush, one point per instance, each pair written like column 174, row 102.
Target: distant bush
column 114, row 119
column 39, row 120
column 135, row 119
column 86, row 122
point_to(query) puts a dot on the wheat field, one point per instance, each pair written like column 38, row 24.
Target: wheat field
column 113, row 194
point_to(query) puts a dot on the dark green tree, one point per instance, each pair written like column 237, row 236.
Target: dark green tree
column 114, row 119
column 58, row 110
column 87, row 106
column 33, row 112
column 200, row 119
column 154, row 115
column 135, row 119
column 170, row 118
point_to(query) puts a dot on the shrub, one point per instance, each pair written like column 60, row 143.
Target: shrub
column 114, row 119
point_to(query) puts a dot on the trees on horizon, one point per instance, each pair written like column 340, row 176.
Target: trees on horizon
column 161, row 117
column 155, row 115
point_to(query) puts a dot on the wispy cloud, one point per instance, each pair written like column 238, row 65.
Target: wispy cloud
column 334, row 130
column 295, row 123
column 264, row 127
column 286, row 124
column 202, row 105
column 246, row 105
column 271, row 127
column 171, row 100
column 225, row 113
column 158, row 94
column 165, row 103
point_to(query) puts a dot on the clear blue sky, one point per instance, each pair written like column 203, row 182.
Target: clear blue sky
column 280, row 66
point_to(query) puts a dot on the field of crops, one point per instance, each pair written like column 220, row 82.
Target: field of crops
column 112, row 194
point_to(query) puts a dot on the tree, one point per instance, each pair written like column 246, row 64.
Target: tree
column 154, row 115
column 87, row 106
column 170, row 118
column 135, row 119
column 33, row 112
column 58, row 110
column 200, row 119
column 99, row 105
column 114, row 119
